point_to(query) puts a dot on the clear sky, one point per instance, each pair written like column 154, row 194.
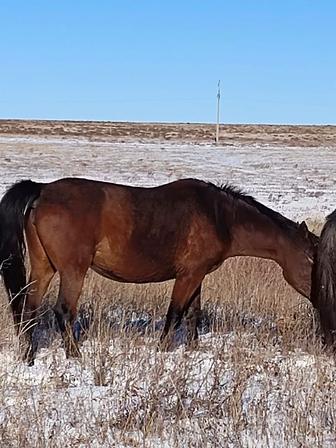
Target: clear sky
column 160, row 60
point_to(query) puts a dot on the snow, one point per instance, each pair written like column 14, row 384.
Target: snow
column 125, row 392
column 69, row 402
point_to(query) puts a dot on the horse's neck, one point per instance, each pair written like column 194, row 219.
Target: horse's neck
column 260, row 237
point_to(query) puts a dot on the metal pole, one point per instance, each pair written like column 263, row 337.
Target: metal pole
column 218, row 100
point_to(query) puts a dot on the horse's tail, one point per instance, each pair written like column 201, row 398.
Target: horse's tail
column 13, row 212
column 323, row 293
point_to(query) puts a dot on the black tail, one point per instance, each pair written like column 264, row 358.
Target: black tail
column 13, row 211
column 323, row 294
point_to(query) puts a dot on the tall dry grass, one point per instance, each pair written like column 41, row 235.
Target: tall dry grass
column 259, row 377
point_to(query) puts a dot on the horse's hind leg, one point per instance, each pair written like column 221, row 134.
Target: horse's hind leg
column 71, row 283
column 185, row 291
column 38, row 284
column 41, row 273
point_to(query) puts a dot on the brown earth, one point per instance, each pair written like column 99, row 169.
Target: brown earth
column 230, row 134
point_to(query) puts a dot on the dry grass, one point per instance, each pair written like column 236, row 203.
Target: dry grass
column 258, row 378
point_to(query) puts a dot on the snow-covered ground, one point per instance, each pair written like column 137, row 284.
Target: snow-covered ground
column 134, row 395
column 296, row 181
column 234, row 390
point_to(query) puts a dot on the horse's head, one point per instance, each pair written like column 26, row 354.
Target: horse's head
column 300, row 258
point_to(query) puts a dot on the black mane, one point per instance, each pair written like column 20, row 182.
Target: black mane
column 237, row 194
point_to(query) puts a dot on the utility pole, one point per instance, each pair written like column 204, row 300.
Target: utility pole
column 218, row 100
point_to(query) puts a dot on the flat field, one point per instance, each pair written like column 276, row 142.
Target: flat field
column 259, row 377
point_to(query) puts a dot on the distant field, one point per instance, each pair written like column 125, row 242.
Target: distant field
column 229, row 134
column 259, row 378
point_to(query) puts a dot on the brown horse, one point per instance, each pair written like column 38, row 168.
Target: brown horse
column 182, row 231
column 323, row 295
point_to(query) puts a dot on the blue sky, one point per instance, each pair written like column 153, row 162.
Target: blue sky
column 160, row 61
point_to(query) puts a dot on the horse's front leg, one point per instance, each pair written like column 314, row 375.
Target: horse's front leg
column 187, row 288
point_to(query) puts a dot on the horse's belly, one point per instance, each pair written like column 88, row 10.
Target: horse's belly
column 124, row 266
column 133, row 277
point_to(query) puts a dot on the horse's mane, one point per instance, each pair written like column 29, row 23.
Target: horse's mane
column 238, row 198
column 278, row 218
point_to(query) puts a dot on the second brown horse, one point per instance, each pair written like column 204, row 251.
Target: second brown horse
column 182, row 230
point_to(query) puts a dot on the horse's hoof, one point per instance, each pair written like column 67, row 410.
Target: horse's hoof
column 166, row 345
column 28, row 357
column 192, row 344
column 73, row 352
column 30, row 362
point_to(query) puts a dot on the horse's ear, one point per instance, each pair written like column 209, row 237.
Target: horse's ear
column 303, row 229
